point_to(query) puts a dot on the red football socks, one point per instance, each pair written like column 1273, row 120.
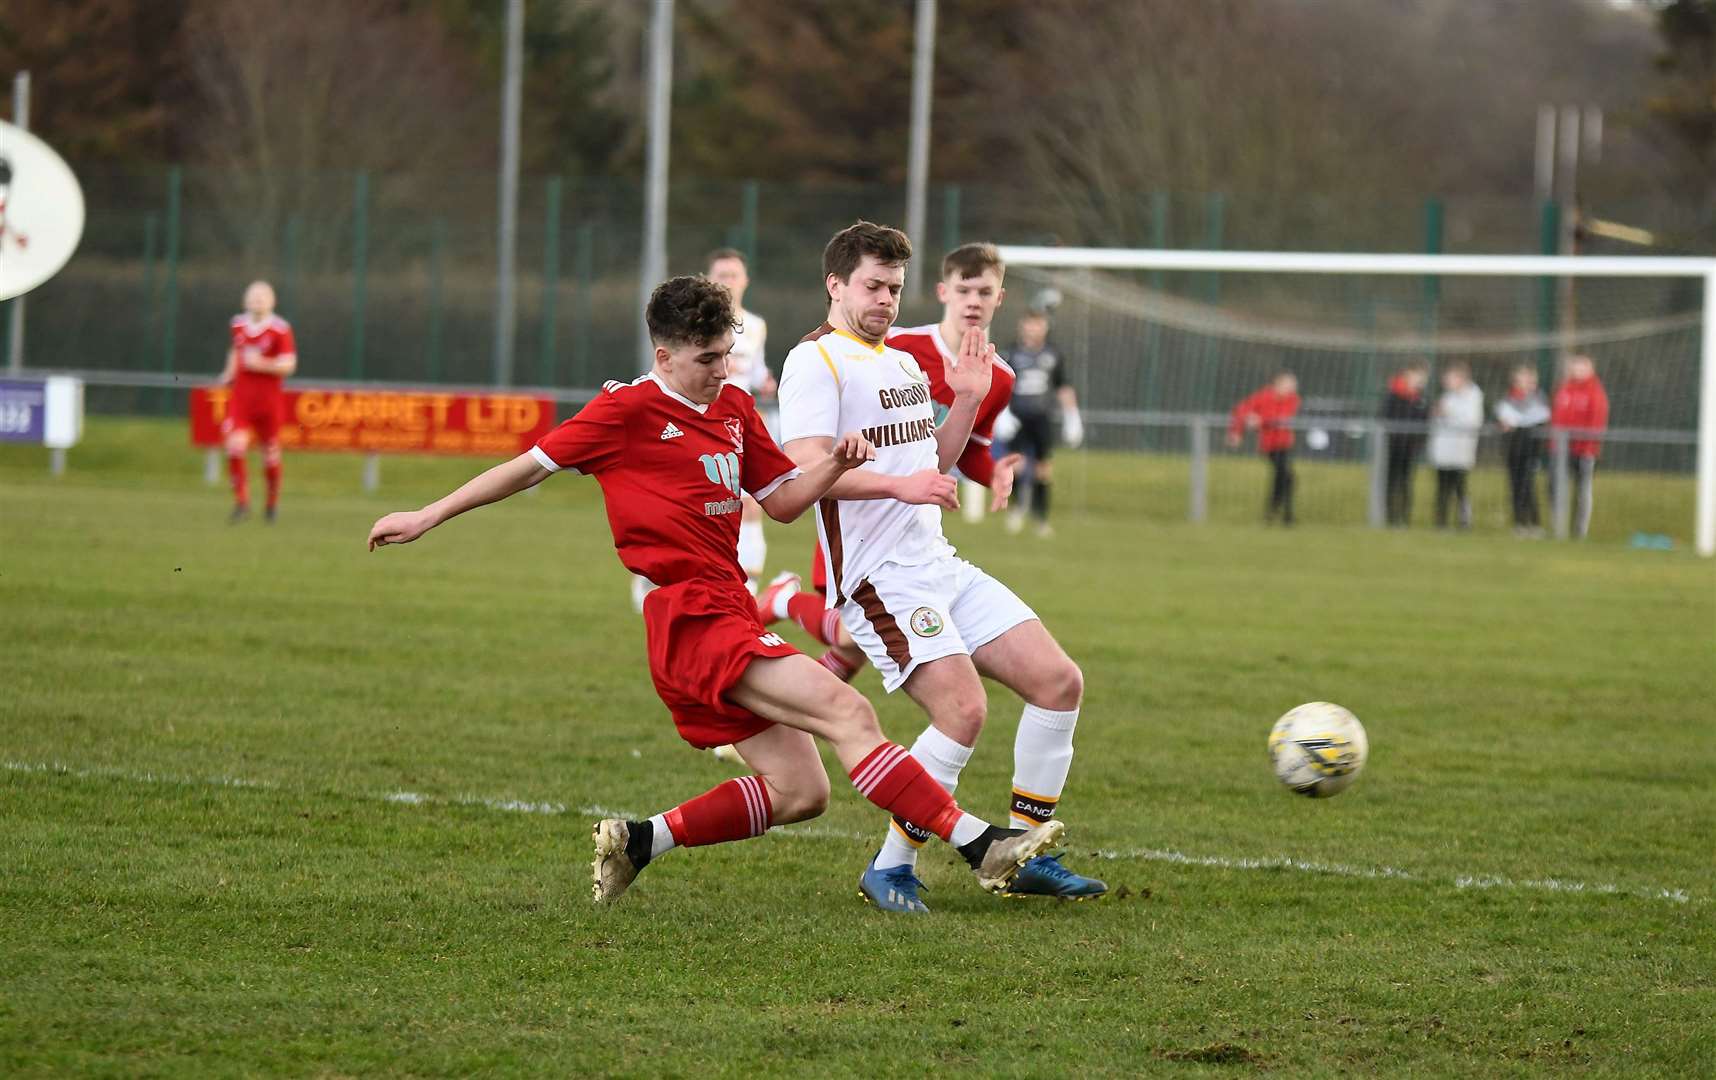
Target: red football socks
column 892, row 779
column 811, row 611
column 736, row 810
column 240, row 479
column 836, row 663
column 272, row 472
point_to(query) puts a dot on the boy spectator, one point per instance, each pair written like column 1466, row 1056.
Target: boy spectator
column 1582, row 412
column 1454, row 441
column 1522, row 414
column 1404, row 404
column 1270, row 413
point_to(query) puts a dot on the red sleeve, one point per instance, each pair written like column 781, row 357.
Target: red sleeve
column 1599, row 408
column 1558, row 413
column 1236, row 421
column 765, row 465
column 288, row 343
column 593, row 440
column 977, row 463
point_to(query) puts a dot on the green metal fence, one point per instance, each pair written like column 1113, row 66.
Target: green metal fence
column 392, row 277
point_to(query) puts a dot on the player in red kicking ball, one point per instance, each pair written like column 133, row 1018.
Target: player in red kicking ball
column 673, row 451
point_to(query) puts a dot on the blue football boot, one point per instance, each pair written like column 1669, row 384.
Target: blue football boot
column 893, row 889
column 1045, row 876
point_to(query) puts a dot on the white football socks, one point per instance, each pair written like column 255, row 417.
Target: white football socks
column 1042, row 754
column 943, row 759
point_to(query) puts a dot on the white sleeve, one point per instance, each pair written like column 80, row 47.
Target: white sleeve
column 809, row 394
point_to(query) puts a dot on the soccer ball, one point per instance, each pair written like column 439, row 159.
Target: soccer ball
column 1318, row 749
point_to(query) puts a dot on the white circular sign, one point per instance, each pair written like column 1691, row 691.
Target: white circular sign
column 41, row 212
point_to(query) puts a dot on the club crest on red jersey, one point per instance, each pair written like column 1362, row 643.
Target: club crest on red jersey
column 736, row 432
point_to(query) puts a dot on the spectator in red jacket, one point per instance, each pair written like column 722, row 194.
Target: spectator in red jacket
column 1581, row 411
column 1270, row 412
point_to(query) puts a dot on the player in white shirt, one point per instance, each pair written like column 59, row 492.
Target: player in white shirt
column 926, row 619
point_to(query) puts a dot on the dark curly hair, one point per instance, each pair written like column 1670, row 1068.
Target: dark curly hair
column 689, row 310
column 849, row 246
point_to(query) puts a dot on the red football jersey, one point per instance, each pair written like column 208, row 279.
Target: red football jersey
column 671, row 472
column 270, row 339
column 925, row 345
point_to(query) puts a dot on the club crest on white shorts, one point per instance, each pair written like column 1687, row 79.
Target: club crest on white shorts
column 926, row 622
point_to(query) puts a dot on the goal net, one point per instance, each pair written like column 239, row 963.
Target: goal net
column 1163, row 344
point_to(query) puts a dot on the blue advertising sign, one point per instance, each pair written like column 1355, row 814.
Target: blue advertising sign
column 23, row 411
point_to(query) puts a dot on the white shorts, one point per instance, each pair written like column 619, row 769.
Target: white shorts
column 903, row 616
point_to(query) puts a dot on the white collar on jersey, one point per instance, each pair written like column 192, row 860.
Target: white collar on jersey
column 674, row 394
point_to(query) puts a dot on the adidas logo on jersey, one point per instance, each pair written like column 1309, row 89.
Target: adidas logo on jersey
column 670, row 432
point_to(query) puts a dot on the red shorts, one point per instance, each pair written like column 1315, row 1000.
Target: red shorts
column 261, row 414
column 702, row 636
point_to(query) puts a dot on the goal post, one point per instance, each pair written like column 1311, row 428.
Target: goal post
column 1435, row 267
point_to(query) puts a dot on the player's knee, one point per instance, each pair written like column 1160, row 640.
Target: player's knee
column 800, row 798
column 272, row 454
column 236, row 445
column 850, row 716
column 1064, row 687
column 962, row 721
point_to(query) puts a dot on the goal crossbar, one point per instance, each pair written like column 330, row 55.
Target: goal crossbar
column 1317, row 262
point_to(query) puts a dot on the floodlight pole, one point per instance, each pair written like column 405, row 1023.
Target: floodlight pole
column 653, row 264
column 15, row 329
column 506, row 294
column 917, row 158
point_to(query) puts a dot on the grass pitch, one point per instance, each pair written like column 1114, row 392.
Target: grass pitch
column 273, row 805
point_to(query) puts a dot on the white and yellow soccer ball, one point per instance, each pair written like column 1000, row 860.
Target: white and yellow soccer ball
column 1318, row 749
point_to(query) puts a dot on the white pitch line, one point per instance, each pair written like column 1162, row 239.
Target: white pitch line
column 822, row 832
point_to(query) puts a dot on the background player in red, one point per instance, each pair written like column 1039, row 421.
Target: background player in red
column 673, row 451
column 261, row 355
column 1581, row 408
column 971, row 291
column 1270, row 412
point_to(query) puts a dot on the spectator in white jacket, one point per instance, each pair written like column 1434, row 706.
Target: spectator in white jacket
column 1454, row 426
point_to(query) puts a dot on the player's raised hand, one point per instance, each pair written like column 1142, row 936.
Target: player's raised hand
column 1001, row 484
column 974, row 368
column 930, row 487
column 852, row 450
column 399, row 528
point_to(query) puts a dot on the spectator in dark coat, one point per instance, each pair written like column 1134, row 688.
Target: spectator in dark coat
column 1404, row 403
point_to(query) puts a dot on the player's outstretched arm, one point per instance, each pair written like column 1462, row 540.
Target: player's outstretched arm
column 229, row 372
column 507, row 478
column 969, row 378
column 922, row 488
column 786, row 502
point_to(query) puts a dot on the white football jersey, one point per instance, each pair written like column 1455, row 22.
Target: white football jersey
column 746, row 367
column 832, row 384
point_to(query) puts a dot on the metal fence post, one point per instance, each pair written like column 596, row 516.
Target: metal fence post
column 151, row 227
column 950, row 212
column 371, row 472
column 170, row 308
column 584, row 270
column 550, row 276
column 211, row 467
column 1560, row 495
column 437, row 272
column 1198, row 485
column 360, row 267
column 748, row 200
column 1378, row 512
